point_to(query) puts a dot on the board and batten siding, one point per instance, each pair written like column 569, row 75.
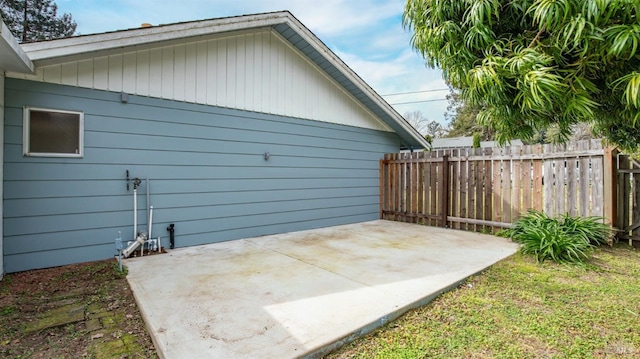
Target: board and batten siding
column 207, row 171
column 254, row 71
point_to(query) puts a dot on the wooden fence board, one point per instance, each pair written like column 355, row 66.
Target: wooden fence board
column 548, row 181
column 538, row 196
column 635, row 191
column 597, row 183
column 497, row 190
column 416, row 188
column 390, row 194
column 560, row 175
column 527, row 185
column 488, row 188
column 507, row 186
column 400, row 185
column 435, row 183
column 478, row 195
column 472, row 175
column 443, row 191
column 382, row 185
column 453, row 192
column 516, row 192
column 609, row 154
column 409, row 188
column 584, row 201
column 572, row 183
column 420, row 189
column 625, row 191
column 464, row 188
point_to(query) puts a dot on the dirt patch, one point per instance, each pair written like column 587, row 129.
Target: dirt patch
column 81, row 310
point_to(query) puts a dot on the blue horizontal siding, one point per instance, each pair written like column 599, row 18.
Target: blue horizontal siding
column 100, row 188
column 251, row 169
column 207, row 173
column 119, row 156
column 34, row 207
column 52, row 257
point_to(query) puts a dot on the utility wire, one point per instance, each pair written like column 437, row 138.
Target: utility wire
column 404, row 103
column 412, row 92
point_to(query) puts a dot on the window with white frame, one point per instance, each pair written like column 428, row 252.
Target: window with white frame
column 53, row 133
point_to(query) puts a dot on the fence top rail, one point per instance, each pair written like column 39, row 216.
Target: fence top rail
column 415, row 160
column 630, row 170
column 530, row 156
column 461, row 156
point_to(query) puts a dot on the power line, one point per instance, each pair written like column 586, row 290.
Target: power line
column 412, row 92
column 404, row 103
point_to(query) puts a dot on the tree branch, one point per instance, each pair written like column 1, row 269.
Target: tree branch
column 536, row 37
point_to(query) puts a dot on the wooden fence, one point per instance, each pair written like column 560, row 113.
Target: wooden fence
column 487, row 189
column 628, row 219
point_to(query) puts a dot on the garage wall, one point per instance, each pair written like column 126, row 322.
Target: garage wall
column 207, row 170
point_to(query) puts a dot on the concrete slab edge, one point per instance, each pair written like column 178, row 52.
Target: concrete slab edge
column 324, row 350
column 156, row 343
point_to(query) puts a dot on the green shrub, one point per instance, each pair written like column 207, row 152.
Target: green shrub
column 564, row 240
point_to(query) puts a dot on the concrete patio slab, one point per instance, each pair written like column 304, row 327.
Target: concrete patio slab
column 300, row 294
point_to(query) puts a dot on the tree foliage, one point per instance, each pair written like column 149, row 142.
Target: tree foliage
column 462, row 118
column 530, row 64
column 36, row 20
column 552, row 134
column 429, row 129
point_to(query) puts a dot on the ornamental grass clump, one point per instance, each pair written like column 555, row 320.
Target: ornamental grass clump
column 564, row 240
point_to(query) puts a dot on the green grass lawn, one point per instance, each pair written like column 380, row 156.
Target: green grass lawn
column 520, row 309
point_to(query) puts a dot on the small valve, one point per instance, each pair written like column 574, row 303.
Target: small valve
column 119, row 242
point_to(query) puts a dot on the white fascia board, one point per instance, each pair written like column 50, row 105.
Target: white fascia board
column 39, row 51
column 12, row 57
column 353, row 77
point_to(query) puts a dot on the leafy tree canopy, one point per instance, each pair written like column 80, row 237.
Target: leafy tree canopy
column 429, row 129
column 462, row 118
column 36, row 20
column 530, row 64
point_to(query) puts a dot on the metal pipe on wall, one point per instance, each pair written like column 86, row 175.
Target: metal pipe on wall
column 148, row 204
column 150, row 221
column 135, row 212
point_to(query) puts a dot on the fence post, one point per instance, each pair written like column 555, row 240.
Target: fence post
column 444, row 191
column 382, row 185
column 609, row 186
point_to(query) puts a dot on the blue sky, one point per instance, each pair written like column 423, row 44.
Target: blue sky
column 366, row 34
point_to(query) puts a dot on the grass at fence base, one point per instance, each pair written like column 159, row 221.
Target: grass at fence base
column 521, row 309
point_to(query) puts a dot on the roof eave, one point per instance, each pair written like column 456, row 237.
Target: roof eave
column 13, row 57
column 40, row 52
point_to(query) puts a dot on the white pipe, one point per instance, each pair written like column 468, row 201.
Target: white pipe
column 132, row 247
column 135, row 212
column 150, row 220
column 148, row 204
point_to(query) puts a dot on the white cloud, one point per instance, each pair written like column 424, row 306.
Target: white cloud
column 404, row 73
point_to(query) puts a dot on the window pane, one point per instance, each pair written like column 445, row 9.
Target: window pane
column 54, row 132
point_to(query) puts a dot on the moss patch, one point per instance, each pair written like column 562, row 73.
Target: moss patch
column 71, row 313
column 83, row 310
